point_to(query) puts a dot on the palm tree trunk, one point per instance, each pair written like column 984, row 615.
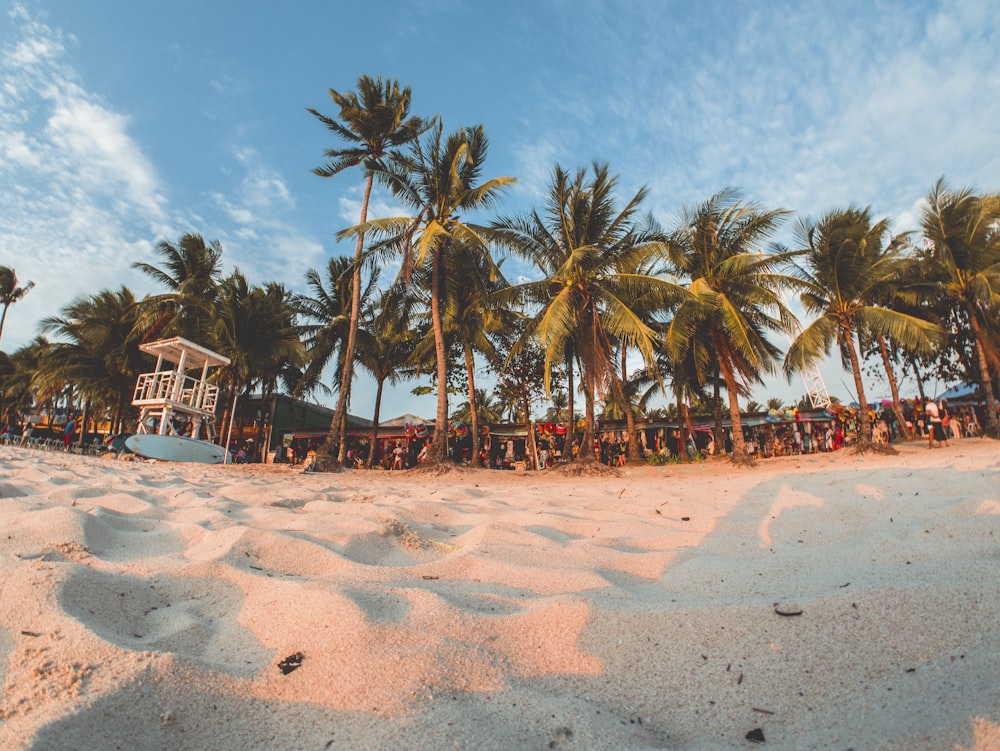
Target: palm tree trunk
column 633, row 437
column 690, row 425
column 633, row 442
column 992, row 426
column 916, row 377
column 3, row 317
column 586, row 452
column 571, row 421
column 864, row 440
column 82, row 442
column 470, row 371
column 893, row 387
column 375, row 418
column 740, row 455
column 720, row 440
column 440, row 452
column 682, row 454
column 337, row 425
column 529, row 442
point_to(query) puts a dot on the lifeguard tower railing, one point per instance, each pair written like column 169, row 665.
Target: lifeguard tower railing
column 169, row 392
column 183, row 392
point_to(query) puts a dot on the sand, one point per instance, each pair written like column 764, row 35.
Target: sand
column 823, row 602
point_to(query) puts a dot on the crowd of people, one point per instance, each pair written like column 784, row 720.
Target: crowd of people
column 788, row 434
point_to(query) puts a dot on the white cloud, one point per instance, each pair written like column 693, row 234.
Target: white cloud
column 77, row 194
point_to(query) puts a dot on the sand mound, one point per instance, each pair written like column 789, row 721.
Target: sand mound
column 441, row 469
column 583, row 469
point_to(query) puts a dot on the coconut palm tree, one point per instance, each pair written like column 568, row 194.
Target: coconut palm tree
column 687, row 378
column 473, row 319
column 255, row 328
column 908, row 295
column 374, row 123
column 325, row 319
column 847, row 265
column 440, row 179
column 735, row 294
column 97, row 352
column 10, row 292
column 962, row 231
column 191, row 272
column 18, row 370
column 385, row 347
column 587, row 250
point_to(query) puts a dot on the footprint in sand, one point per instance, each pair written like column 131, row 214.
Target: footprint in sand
column 380, row 605
column 398, row 544
column 113, row 536
column 187, row 616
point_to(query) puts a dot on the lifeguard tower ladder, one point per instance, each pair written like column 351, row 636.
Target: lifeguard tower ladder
column 812, row 378
column 169, row 392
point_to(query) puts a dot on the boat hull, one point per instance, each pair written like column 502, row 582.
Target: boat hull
column 172, row 448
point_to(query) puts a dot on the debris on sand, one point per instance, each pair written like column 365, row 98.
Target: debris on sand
column 290, row 663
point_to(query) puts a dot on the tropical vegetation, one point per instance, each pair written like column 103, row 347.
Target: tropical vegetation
column 597, row 299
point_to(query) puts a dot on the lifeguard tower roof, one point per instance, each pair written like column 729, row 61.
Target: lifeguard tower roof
column 178, row 348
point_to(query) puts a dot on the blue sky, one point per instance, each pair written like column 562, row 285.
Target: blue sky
column 126, row 123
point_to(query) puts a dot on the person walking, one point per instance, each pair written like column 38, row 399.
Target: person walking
column 68, row 432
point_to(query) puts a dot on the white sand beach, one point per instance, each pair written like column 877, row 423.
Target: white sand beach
column 822, row 602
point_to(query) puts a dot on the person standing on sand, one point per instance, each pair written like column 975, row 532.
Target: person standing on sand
column 936, row 432
column 68, row 432
column 945, row 423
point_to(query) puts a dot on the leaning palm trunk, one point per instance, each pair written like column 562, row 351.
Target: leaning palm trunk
column 740, row 455
column 470, row 371
column 530, row 448
column 633, row 437
column 893, row 387
column 571, row 422
column 720, row 440
column 339, row 422
column 916, row 377
column 586, row 452
column 375, row 419
column 682, row 454
column 632, row 446
column 440, row 452
column 992, row 427
column 690, row 425
column 864, row 441
column 82, row 443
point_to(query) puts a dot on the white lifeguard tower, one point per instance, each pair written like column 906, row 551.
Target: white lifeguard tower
column 169, row 392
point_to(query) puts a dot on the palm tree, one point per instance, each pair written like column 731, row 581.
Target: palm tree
column 587, row 250
column 10, row 292
column 735, row 294
column 99, row 353
column 385, row 347
column 904, row 295
column 471, row 318
column 687, row 377
column 439, row 179
column 847, row 265
column 255, row 328
column 327, row 319
column 489, row 411
column 374, row 122
column 17, row 373
column 962, row 231
column 191, row 272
